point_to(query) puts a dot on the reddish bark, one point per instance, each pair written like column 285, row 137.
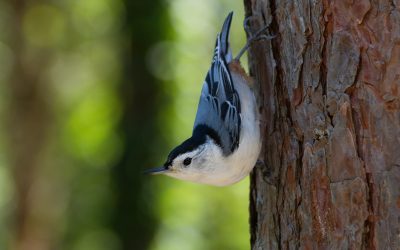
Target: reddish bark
column 329, row 94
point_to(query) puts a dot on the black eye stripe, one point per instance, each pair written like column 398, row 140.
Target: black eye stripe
column 187, row 161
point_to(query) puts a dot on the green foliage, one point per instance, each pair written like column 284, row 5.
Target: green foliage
column 100, row 142
column 196, row 216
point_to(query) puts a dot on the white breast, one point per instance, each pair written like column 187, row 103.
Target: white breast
column 217, row 169
column 231, row 169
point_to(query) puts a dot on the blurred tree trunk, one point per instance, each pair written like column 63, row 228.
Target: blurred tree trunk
column 28, row 123
column 142, row 96
column 329, row 89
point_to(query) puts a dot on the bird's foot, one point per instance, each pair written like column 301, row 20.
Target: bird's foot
column 262, row 121
column 260, row 164
column 266, row 172
column 259, row 35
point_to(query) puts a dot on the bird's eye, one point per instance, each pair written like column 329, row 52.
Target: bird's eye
column 187, row 161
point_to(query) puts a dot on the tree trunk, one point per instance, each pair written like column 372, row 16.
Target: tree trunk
column 28, row 122
column 329, row 92
column 142, row 95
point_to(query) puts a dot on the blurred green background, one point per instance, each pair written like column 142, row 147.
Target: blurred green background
column 91, row 93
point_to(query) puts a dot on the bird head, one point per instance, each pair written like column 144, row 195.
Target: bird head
column 191, row 160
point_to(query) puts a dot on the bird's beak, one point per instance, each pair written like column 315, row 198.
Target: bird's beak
column 159, row 170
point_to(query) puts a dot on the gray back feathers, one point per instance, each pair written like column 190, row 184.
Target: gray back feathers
column 219, row 106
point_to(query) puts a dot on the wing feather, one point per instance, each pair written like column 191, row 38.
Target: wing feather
column 219, row 106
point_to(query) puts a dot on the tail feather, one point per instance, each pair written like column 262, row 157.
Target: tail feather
column 224, row 38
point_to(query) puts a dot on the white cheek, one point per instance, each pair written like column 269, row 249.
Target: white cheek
column 210, row 159
column 198, row 163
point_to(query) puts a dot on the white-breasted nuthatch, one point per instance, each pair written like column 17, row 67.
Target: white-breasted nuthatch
column 225, row 142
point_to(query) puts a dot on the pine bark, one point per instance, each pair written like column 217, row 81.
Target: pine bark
column 329, row 97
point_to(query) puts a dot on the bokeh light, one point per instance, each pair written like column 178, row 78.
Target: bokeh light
column 74, row 59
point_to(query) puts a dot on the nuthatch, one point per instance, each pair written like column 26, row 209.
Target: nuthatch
column 225, row 142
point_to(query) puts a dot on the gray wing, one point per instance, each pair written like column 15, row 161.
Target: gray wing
column 219, row 106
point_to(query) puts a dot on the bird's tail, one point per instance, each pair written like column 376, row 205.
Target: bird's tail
column 223, row 39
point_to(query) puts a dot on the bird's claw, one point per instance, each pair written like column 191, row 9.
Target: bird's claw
column 266, row 172
column 246, row 25
column 260, row 164
column 267, row 37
